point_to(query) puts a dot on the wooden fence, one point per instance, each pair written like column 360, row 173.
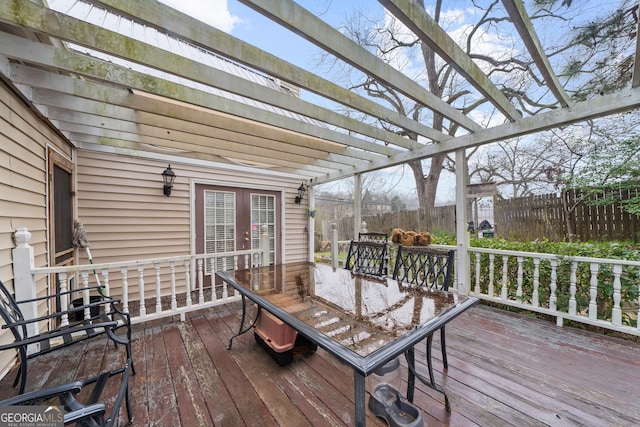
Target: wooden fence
column 522, row 219
column 545, row 216
column 441, row 219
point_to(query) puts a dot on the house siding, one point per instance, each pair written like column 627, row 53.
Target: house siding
column 127, row 217
column 24, row 138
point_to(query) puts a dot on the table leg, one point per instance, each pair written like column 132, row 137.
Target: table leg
column 410, row 356
column 359, row 398
column 244, row 314
column 411, row 379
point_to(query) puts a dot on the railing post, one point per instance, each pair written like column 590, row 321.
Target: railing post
column 125, row 289
column 201, row 281
column 172, row 276
column 62, row 286
column 24, row 283
column 106, row 291
column 505, row 277
column 492, row 258
column 334, row 245
column 156, row 267
column 638, row 323
column 535, row 299
column 187, row 282
column 573, row 303
column 477, row 288
column 616, row 315
column 520, row 275
column 264, row 243
column 143, row 307
column 593, row 291
column 553, row 286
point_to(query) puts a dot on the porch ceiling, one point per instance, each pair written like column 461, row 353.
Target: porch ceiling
column 108, row 89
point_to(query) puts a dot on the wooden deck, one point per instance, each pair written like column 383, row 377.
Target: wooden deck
column 504, row 370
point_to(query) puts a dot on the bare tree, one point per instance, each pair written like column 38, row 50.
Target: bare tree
column 580, row 43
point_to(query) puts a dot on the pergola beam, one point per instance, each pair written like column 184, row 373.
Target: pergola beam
column 55, row 24
column 598, row 107
column 84, row 112
column 175, row 23
column 141, row 132
column 297, row 19
column 521, row 21
column 111, row 74
column 429, row 32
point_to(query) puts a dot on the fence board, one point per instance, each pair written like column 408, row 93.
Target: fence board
column 441, row 219
column 544, row 216
column 523, row 219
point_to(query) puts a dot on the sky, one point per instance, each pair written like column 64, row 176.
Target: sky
column 242, row 22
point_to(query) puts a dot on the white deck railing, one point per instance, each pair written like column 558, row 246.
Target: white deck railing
column 591, row 292
column 149, row 289
column 594, row 291
column 580, row 289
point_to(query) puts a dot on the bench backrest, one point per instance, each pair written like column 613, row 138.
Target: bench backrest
column 367, row 257
column 424, row 266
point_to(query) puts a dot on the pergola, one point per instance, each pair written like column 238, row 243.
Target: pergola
column 92, row 75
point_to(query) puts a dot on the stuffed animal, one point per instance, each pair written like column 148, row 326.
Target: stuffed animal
column 423, row 239
column 408, row 238
column 396, row 234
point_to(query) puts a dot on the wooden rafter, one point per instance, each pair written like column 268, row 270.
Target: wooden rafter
column 214, row 40
column 521, row 21
column 290, row 15
column 427, row 29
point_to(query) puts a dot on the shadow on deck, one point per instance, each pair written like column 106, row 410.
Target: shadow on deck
column 504, row 370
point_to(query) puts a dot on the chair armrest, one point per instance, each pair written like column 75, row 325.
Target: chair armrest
column 65, row 393
column 44, row 394
column 59, row 294
column 97, row 410
column 58, row 333
column 57, row 314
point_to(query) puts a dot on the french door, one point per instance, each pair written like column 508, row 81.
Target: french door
column 230, row 219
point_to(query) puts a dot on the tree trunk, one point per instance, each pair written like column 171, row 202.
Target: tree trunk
column 568, row 213
column 427, row 185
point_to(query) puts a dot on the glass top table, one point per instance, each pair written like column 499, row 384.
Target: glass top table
column 364, row 321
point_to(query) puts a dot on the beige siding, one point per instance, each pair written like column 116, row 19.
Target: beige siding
column 127, row 216
column 24, row 138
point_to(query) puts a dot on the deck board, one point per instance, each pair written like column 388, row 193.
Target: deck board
column 505, row 369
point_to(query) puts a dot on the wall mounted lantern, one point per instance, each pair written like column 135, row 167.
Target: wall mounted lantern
column 168, row 176
column 300, row 195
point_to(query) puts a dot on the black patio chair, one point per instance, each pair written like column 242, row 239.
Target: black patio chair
column 430, row 268
column 91, row 413
column 367, row 257
column 104, row 318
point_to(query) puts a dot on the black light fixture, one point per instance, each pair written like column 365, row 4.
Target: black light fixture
column 301, row 191
column 168, row 176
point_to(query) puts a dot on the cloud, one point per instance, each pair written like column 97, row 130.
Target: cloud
column 213, row 12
